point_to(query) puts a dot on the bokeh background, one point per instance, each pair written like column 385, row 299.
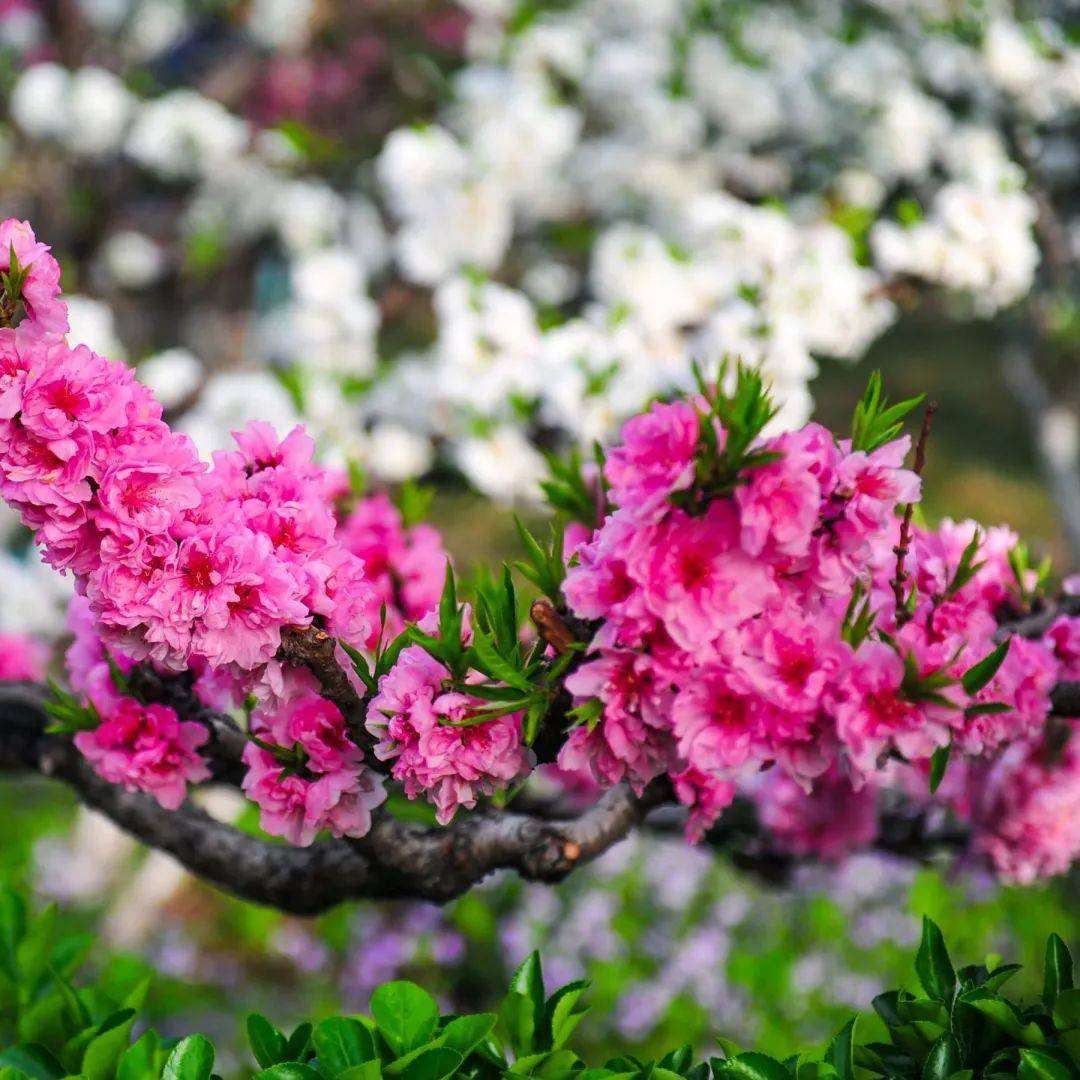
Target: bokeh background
column 212, row 177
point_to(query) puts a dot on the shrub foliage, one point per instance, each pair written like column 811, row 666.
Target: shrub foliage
column 960, row 1025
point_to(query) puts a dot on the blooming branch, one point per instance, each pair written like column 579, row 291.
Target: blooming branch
column 726, row 618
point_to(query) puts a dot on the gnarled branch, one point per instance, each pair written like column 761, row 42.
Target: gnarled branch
column 395, row 860
column 400, row 859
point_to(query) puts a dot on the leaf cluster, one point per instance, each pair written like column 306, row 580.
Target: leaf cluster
column 959, row 1025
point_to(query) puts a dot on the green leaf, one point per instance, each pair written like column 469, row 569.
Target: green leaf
column 191, row 1059
column 35, row 950
column 449, row 612
column 1070, row 1041
column 32, row 1059
column 141, row 1060
column 1041, row 1065
column 754, row 1066
column 370, row 1070
column 1058, row 971
column 979, row 675
column 545, row 568
column 561, row 1014
column 967, row 568
column 523, row 1008
column 287, row 1070
column 999, row 976
column 267, row 1043
column 342, row 1043
column 943, row 1059
column 297, row 1045
column 76, row 1011
column 678, row 1060
column 1006, row 1017
column 12, row 929
column 465, row 1033
column 414, row 502
column 434, row 1064
column 1066, row 1009
column 103, row 1051
column 840, row 1053
column 876, row 422
column 405, row 1014
column 488, row 660
column 939, row 762
column 933, row 966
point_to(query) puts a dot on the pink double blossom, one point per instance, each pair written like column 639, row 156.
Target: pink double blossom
column 147, row 748
column 432, row 739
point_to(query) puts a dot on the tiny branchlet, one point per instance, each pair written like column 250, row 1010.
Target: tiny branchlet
column 876, row 422
column 515, row 677
column 730, row 428
column 544, row 565
column 575, row 492
column 11, row 284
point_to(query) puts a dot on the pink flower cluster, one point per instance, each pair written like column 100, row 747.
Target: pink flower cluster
column 404, row 567
column 179, row 564
column 431, row 736
column 22, row 657
column 147, row 748
column 725, row 642
column 327, row 788
column 1025, row 809
column 829, row 822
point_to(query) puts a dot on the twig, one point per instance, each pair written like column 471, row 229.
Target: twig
column 1060, row 469
column 317, row 651
column 395, row 860
column 902, row 548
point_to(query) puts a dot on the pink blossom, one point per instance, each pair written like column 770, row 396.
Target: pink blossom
column 780, row 504
column 406, row 567
column 655, row 459
column 705, row 796
column 436, row 746
column 22, row 657
column 147, row 748
column 630, row 739
column 297, row 808
column 72, row 394
column 317, row 726
column 873, row 717
column 830, row 821
column 1063, row 639
column 1024, row 681
column 148, row 483
column 699, row 582
column 41, row 289
column 1027, row 811
column 717, row 725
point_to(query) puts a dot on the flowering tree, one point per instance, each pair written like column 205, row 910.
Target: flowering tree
column 598, row 191
column 727, row 617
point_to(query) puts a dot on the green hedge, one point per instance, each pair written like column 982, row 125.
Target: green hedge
column 961, row 1026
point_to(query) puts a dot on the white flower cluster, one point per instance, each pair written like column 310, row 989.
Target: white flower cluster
column 612, row 190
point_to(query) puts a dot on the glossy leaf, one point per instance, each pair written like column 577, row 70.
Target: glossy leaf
column 406, row 1015
column 191, row 1059
column 342, row 1043
column 433, row 1064
column 933, row 966
column 267, row 1043
column 1058, row 970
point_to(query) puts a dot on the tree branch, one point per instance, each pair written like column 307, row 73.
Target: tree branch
column 395, row 860
column 316, row 650
column 399, row 859
column 1056, row 457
